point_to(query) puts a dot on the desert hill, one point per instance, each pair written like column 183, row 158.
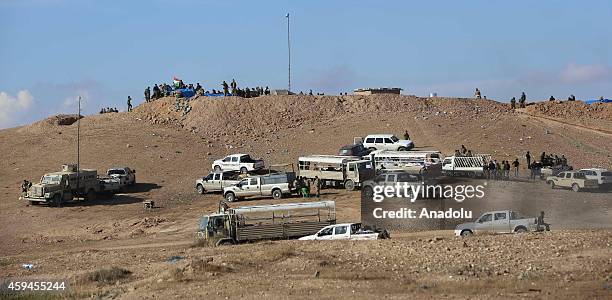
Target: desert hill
column 171, row 143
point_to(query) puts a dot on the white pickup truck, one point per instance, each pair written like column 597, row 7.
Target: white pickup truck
column 238, row 162
column 216, row 181
column 125, row 175
column 273, row 185
column 346, row 231
column 502, row 221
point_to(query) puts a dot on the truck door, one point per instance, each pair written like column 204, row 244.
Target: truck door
column 341, row 232
column 379, row 144
column 235, row 163
column 484, row 223
column 252, row 188
column 325, row 234
column 389, row 144
column 351, row 172
column 501, row 222
column 216, row 181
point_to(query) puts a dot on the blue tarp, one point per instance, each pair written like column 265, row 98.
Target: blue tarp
column 598, row 101
column 186, row 93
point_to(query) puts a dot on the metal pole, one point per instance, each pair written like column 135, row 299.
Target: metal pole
column 78, row 145
column 289, row 50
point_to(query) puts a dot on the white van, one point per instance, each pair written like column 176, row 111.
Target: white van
column 386, row 142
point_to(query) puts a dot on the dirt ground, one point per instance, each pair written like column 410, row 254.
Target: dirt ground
column 171, row 149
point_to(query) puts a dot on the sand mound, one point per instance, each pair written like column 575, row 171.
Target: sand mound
column 597, row 116
column 232, row 115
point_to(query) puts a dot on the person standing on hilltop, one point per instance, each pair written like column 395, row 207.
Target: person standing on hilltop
column 513, row 103
column 129, row 103
column 551, row 98
column 522, row 100
column 571, row 98
column 225, row 88
column 477, row 94
column 234, row 86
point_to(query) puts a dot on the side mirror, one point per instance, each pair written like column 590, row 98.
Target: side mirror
column 479, row 221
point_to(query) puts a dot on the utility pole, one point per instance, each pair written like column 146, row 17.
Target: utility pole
column 78, row 145
column 289, row 50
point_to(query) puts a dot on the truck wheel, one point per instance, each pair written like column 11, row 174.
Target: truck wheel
column 225, row 242
column 402, row 149
column 230, row 197
column 575, row 187
column 277, row 194
column 349, row 185
column 33, row 202
column 217, row 168
column 200, row 189
column 243, row 170
column 368, row 191
column 520, row 229
column 91, row 195
column 57, row 200
column 466, row 232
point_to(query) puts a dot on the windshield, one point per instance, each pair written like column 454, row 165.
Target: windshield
column 51, row 179
column 116, row 172
column 394, row 138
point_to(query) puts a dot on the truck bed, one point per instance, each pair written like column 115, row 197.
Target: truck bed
column 278, row 231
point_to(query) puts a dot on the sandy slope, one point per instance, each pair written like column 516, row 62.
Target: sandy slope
column 170, row 150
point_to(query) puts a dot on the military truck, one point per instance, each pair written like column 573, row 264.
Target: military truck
column 336, row 171
column 277, row 221
column 58, row 187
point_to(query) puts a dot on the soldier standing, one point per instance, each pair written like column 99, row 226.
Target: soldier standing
column 317, row 184
column 477, row 94
column 129, row 103
column 406, row 135
column 516, row 164
column 225, row 88
column 522, row 100
column 528, row 157
column 513, row 103
column 25, row 185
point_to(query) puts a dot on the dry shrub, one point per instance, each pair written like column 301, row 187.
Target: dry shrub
column 105, row 276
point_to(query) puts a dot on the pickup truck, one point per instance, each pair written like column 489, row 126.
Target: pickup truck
column 272, row 185
column 346, row 231
column 502, row 221
column 577, row 181
column 238, row 162
column 216, row 181
column 125, row 175
column 603, row 176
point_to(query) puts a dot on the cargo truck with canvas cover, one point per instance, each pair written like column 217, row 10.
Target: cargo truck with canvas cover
column 336, row 171
column 259, row 222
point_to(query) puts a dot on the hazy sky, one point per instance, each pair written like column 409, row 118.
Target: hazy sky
column 52, row 51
